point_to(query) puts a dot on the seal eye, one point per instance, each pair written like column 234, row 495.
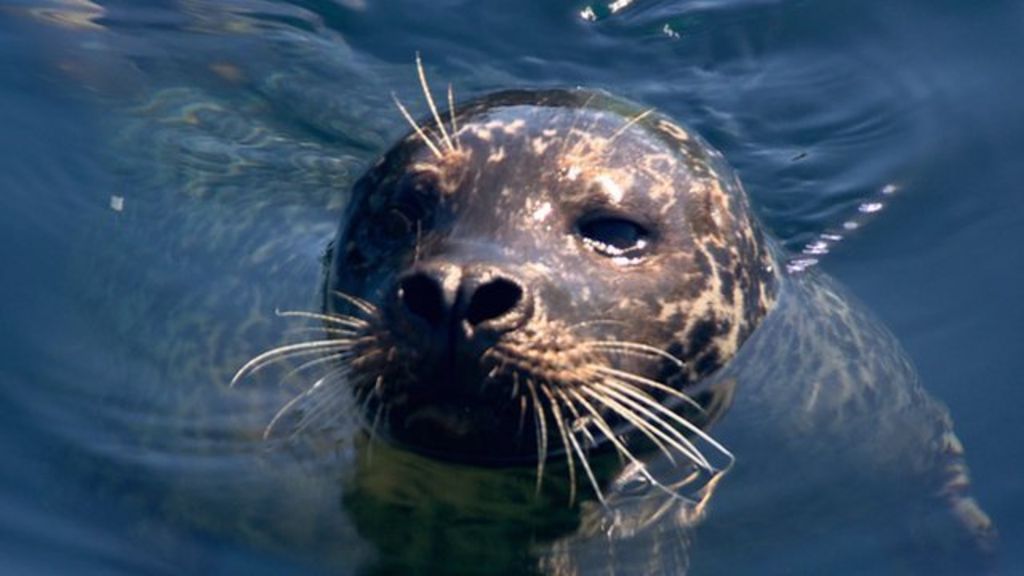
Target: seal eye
column 614, row 236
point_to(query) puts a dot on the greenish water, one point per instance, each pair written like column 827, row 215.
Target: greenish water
column 821, row 106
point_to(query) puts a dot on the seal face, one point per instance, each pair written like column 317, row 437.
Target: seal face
column 560, row 260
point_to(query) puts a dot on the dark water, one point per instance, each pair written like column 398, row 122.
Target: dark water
column 819, row 105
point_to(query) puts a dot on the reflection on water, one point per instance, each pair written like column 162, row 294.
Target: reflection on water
column 173, row 172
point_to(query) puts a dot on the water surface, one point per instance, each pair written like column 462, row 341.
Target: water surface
column 823, row 107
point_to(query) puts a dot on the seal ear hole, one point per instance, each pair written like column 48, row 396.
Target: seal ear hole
column 614, row 236
column 493, row 300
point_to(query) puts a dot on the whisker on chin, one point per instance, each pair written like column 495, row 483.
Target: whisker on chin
column 370, row 394
column 566, row 439
column 605, row 429
column 578, row 419
column 659, row 439
column 541, row 430
column 690, row 426
column 584, row 462
column 269, row 429
column 522, row 415
column 622, row 375
column 667, row 432
column 625, row 347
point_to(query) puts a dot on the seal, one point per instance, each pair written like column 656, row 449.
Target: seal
column 558, row 257
column 543, row 273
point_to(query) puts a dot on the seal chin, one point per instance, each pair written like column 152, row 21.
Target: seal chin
column 464, row 430
column 436, row 428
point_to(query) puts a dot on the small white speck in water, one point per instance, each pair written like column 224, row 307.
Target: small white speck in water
column 818, row 248
column 117, row 203
column 797, row 265
column 619, row 5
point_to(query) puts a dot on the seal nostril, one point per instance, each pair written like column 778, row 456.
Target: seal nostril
column 422, row 296
column 493, row 300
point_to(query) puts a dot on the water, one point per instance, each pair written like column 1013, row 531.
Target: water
column 820, row 107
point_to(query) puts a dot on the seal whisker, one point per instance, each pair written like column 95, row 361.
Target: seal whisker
column 343, row 355
column 659, row 438
column 585, row 133
column 586, row 468
column 588, row 323
column 522, row 415
column 314, row 411
column 347, row 321
column 614, row 351
column 579, row 422
column 565, row 434
column 419, row 131
column 637, row 400
column 630, row 123
column 541, row 430
column 575, row 122
column 451, row 116
column 280, row 413
column 622, row 375
column 287, row 351
column 418, row 244
column 366, row 307
column 646, row 399
column 372, row 392
column 321, row 330
column 584, row 461
column 621, row 346
column 430, row 102
column 373, row 428
column 619, row 445
column 333, row 393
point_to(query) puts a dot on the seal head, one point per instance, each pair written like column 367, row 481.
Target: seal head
column 540, row 265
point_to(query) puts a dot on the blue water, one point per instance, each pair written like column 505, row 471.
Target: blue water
column 820, row 106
